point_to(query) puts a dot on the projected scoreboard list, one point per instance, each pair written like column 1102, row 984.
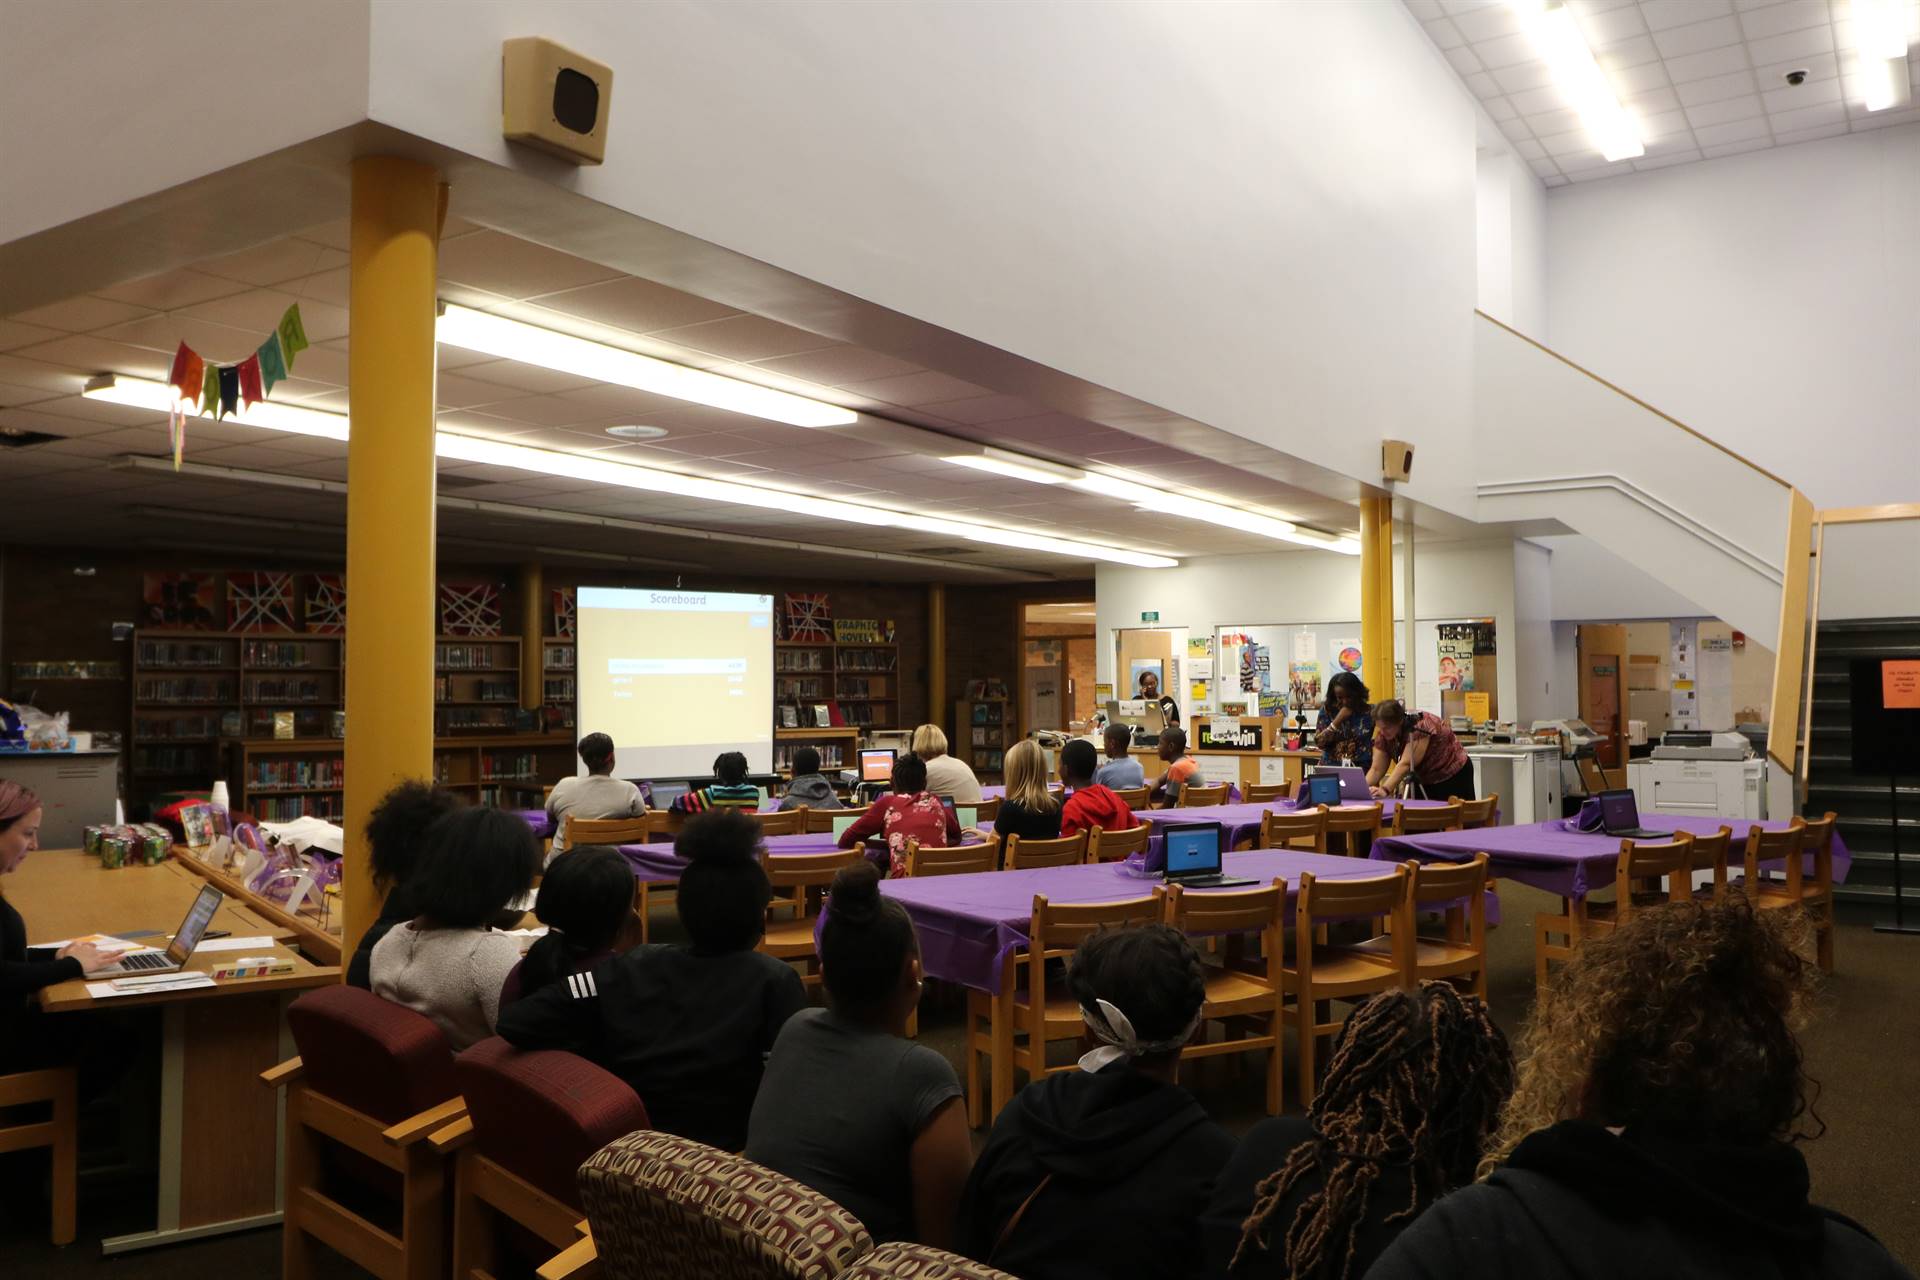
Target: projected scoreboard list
column 676, row 677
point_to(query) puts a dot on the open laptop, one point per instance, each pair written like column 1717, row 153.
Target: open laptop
column 179, row 950
column 964, row 815
column 1322, row 788
column 1353, row 782
column 1620, row 816
column 662, row 794
column 1193, row 856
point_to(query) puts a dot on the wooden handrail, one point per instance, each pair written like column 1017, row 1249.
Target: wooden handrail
column 1700, row 436
column 1790, row 650
column 1861, row 515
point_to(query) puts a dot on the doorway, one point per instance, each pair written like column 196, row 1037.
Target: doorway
column 1056, row 666
column 1603, row 657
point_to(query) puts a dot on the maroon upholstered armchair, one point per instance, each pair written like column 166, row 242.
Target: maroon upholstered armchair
column 533, row 1118
column 373, row 1080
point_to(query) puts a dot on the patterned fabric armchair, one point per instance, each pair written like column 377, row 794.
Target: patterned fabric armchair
column 895, row 1261
column 663, row 1207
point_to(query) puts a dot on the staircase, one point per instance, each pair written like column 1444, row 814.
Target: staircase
column 1861, row 801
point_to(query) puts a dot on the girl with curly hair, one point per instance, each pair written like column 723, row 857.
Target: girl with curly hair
column 1412, row 1095
column 1653, row 1129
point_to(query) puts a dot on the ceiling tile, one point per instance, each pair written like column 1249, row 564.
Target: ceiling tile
column 172, row 289
column 1776, row 18
column 1819, row 114
column 1489, row 23
column 1819, row 66
column 1735, row 148
column 1793, row 98
column 81, row 315
column 14, row 334
column 525, row 377
column 1728, row 109
column 1481, row 85
column 1809, row 135
column 1528, row 149
column 1545, row 169
column 1672, row 143
column 91, row 355
column 745, row 337
column 1464, row 60
column 1498, row 108
column 1791, row 44
column 1719, row 135
column 1707, row 64
column 1555, row 180
column 1610, row 26
column 917, row 389
column 1631, row 81
column 1523, row 76
column 641, row 306
column 1552, row 122
column 1505, row 51
column 1425, row 10
column 1444, row 34
column 1686, row 156
column 275, row 262
column 1627, row 53
column 980, row 409
column 1535, row 101
column 1653, row 103
column 1695, row 37
column 1567, row 144
column 1695, row 92
column 258, row 312
column 1664, row 14
column 515, row 268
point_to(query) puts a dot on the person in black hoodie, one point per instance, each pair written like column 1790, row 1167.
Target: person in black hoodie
column 1103, row 1172
column 1411, row 1096
column 396, row 832
column 1653, row 1129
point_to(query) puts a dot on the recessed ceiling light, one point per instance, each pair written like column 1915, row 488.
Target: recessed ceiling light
column 635, row 431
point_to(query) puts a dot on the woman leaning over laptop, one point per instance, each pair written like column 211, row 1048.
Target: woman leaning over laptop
column 23, row 1042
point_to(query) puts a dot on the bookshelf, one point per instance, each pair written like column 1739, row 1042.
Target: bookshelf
column 277, row 780
column 558, row 660
column 982, row 726
column 858, row 681
column 476, row 684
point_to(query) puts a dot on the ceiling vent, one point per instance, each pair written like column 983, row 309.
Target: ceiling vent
column 21, row 438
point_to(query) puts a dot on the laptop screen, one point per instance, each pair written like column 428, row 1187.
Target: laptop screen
column 876, row 764
column 1618, row 811
column 1323, row 788
column 662, row 794
column 1193, row 848
column 194, row 927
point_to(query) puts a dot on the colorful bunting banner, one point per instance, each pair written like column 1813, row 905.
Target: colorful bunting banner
column 217, row 390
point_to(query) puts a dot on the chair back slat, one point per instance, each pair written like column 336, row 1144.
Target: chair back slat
column 1409, row 819
column 808, row 870
column 1133, row 797
column 1816, row 838
column 986, row 811
column 1200, row 797
column 948, row 860
column 1262, row 792
column 1436, row 882
column 1709, row 853
column 1301, row 829
column 1024, row 855
column 1356, row 828
column 1769, row 846
column 787, row 822
column 1668, row 860
column 1479, row 813
column 609, row 830
column 1383, row 895
column 1235, row 911
column 1058, row 927
column 1117, row 846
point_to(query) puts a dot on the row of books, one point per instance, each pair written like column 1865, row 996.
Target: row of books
column 184, row 689
column 801, row 687
column 831, row 757
column 483, row 690
column 288, row 690
column 291, row 654
column 864, row 713
column 468, row 657
column 862, row 687
column 507, row 766
column 169, row 759
column 287, row 808
column 800, row 660
column 268, row 775
column 868, row 659
column 183, row 653
column 477, row 717
column 163, row 727
column 559, row 657
column 559, row 689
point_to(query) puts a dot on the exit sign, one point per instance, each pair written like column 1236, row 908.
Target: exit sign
column 1153, row 616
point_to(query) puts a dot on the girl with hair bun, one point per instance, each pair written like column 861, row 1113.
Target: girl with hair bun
column 851, row 1107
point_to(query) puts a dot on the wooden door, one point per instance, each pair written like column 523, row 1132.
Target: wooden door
column 1603, row 656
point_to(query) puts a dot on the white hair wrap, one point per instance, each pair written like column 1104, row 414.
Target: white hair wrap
column 1114, row 1030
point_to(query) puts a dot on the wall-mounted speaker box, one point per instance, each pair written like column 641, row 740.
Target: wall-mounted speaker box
column 1396, row 460
column 555, row 99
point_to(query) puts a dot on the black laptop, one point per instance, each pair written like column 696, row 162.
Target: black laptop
column 1193, row 856
column 1620, row 816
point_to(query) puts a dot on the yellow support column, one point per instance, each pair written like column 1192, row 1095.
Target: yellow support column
column 533, row 653
column 1371, row 625
column 1379, row 670
column 397, row 210
column 937, row 706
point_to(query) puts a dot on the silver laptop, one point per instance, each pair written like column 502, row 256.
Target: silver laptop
column 179, row 950
column 1353, row 782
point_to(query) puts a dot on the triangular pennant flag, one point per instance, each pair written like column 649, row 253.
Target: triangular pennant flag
column 293, row 336
column 272, row 368
column 210, row 393
column 177, row 433
column 186, row 375
column 229, row 389
column 250, row 389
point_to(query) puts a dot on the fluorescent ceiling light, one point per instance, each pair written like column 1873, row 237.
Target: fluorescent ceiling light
column 1017, row 466
column 1879, row 28
column 1159, row 501
column 457, row 447
column 530, row 344
column 1558, row 42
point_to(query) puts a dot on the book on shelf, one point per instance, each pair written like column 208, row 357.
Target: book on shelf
column 822, row 716
column 789, row 716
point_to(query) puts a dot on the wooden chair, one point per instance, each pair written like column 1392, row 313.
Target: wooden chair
column 1302, row 829
column 533, row 1118
column 1460, row 890
column 615, row 831
column 799, row 881
column 1710, row 854
column 1023, row 855
column 1117, row 846
column 1134, row 797
column 948, row 860
column 820, row 821
column 1263, row 792
column 1201, row 797
column 1356, row 828
column 1580, row 919
column 1246, row 997
column 1413, row 820
column 59, row 1089
column 786, row 822
column 1042, row 1015
column 1800, row 840
column 986, row 811
column 1475, row 814
column 1321, row 974
column 374, row 1080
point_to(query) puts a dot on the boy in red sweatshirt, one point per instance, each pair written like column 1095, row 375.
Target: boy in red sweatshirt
column 1091, row 805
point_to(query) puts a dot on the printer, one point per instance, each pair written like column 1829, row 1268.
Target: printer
column 1702, row 744
column 1702, row 773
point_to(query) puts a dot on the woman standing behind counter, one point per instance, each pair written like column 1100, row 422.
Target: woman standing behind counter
column 1344, row 730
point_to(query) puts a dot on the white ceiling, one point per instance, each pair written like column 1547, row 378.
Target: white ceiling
column 223, row 307
column 1705, row 77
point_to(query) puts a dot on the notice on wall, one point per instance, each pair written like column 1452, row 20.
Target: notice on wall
column 1303, row 684
column 1273, row 769
column 1102, row 694
column 1217, row 769
column 1713, row 677
column 1480, row 706
column 1199, row 648
column 1347, row 656
column 1306, row 646
column 1900, row 684
column 1454, row 654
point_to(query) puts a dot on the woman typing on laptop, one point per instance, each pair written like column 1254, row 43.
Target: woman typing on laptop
column 1420, row 744
column 22, row 1046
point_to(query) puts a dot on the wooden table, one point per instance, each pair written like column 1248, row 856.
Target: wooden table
column 219, row 1129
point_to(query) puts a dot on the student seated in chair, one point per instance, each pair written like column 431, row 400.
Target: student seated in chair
column 908, row 812
column 396, row 832
column 586, row 900
column 1121, row 771
column 597, row 796
column 1091, row 804
column 729, row 789
column 1411, row 1096
column 1029, row 810
column 1653, row 1131
column 809, row 786
column 849, row 1106
column 1181, row 768
column 1104, row 1171
column 448, row 961
column 689, row 1027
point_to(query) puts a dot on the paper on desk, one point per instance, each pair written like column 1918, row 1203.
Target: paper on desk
column 232, row 944
column 179, row 982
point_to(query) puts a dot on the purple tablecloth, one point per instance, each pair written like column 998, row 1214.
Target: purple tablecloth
column 1242, row 821
column 1552, row 856
column 657, row 863
column 969, row 925
column 538, row 819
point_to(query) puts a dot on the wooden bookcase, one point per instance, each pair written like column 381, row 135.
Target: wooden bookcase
column 982, row 732
column 558, row 661
column 861, row 680
column 276, row 780
column 476, row 684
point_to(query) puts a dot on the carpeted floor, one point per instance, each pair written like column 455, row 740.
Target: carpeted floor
column 1863, row 1048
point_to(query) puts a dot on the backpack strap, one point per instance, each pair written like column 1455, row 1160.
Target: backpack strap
column 1000, row 1240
